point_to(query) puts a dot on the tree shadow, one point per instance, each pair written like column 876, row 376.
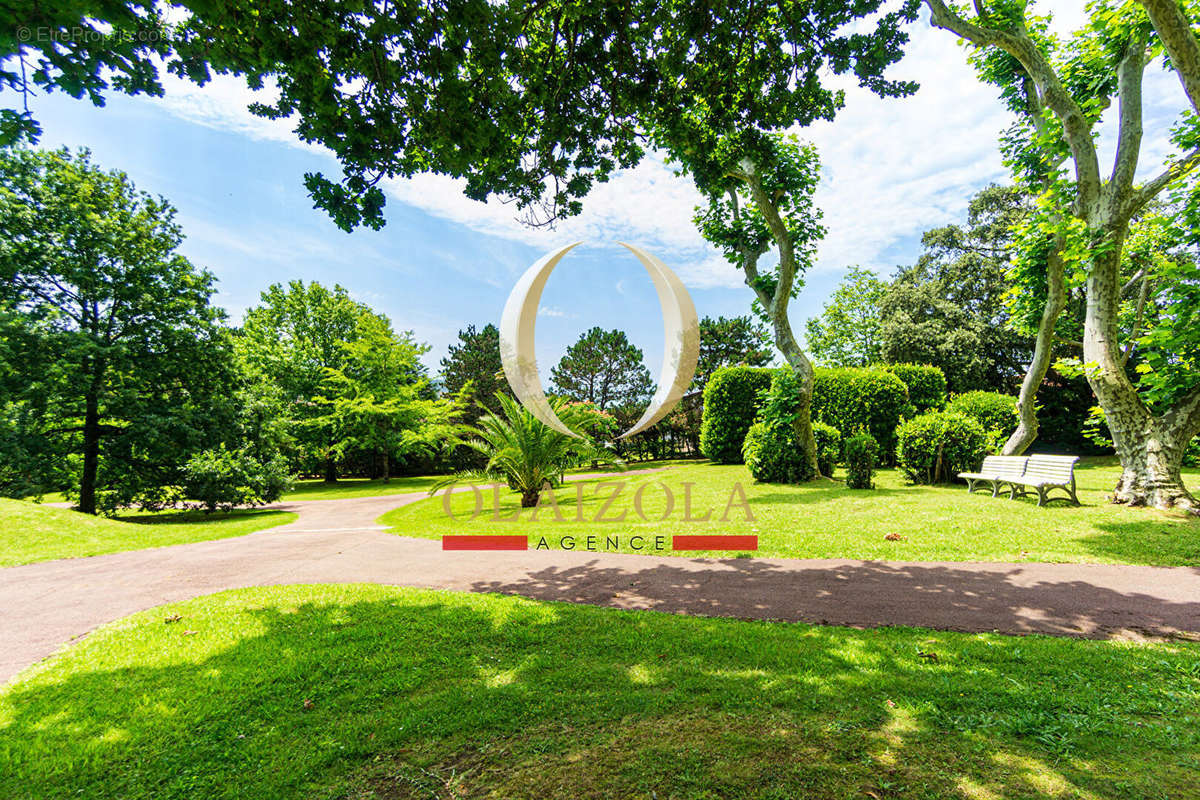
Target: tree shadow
column 420, row 694
column 1147, row 541
column 183, row 517
column 875, row 593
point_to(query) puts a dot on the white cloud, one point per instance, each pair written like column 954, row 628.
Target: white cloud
column 892, row 168
column 552, row 311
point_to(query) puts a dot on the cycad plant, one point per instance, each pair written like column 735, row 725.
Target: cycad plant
column 525, row 453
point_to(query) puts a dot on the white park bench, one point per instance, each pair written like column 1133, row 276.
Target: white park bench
column 996, row 470
column 1043, row 473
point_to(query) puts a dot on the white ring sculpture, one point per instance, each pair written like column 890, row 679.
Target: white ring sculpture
column 681, row 340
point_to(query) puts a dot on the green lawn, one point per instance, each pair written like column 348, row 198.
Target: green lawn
column 371, row 691
column 317, row 489
column 827, row 520
column 31, row 532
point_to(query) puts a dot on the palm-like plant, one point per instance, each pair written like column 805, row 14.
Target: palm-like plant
column 525, row 453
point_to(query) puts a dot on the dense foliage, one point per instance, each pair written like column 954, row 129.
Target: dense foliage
column 858, row 399
column 472, row 370
column 772, row 450
column 926, row 385
column 731, row 402
column 116, row 367
column 935, row 447
column 525, row 453
column 995, row 412
column 829, row 447
column 862, row 456
column 605, row 368
column 221, row 479
column 847, row 334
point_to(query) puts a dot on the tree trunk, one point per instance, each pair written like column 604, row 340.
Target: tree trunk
column 387, row 467
column 1056, row 301
column 803, row 369
column 91, row 452
column 1150, row 448
column 331, row 473
column 529, row 498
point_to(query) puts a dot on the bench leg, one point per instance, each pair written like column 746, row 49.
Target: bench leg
column 970, row 485
column 1041, row 490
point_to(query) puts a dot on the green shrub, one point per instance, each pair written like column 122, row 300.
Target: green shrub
column 731, row 401
column 829, row 447
column 772, row 449
column 773, row 454
column 996, row 412
column 1191, row 453
column 862, row 454
column 222, row 479
column 926, row 385
column 935, row 447
column 858, row 399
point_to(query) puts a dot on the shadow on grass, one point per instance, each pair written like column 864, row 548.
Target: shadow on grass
column 1156, row 541
column 183, row 517
column 372, row 693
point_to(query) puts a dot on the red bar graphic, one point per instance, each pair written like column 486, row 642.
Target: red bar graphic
column 714, row 542
column 485, row 542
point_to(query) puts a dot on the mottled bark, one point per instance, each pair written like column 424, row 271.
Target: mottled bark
column 1043, row 350
column 776, row 306
column 1150, row 446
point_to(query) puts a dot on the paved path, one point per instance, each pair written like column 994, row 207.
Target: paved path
column 43, row 606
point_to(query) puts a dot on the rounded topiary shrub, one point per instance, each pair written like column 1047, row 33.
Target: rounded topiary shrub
column 935, row 447
column 862, row 455
column 926, row 385
column 857, row 399
column 731, row 401
column 773, row 454
column 829, row 447
column 996, row 412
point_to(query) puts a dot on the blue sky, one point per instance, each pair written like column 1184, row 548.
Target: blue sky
column 892, row 169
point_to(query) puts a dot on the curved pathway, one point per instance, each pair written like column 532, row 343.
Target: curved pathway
column 44, row 605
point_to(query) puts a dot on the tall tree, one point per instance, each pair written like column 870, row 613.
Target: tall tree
column 604, row 368
column 1086, row 217
column 727, row 342
column 536, row 102
column 378, row 395
column 847, row 334
column 474, row 363
column 292, row 341
column 950, row 310
column 119, row 362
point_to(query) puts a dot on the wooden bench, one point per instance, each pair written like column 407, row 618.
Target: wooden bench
column 996, row 470
column 1043, row 473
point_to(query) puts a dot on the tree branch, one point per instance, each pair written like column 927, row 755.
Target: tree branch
column 1129, row 136
column 1076, row 126
column 1175, row 32
column 1150, row 189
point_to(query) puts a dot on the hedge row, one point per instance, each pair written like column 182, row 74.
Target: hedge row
column 731, row 401
column 926, row 385
column 860, row 399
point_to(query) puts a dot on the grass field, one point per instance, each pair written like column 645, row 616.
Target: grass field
column 31, row 532
column 370, row 691
column 317, row 489
column 827, row 520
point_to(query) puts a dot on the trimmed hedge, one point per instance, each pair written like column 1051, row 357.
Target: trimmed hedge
column 926, row 385
column 935, row 447
column 996, row 412
column 857, row 399
column 829, row 447
column 773, row 455
column 862, row 454
column 772, row 450
column 731, row 401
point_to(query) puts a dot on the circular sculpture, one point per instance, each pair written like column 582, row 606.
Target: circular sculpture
column 681, row 340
